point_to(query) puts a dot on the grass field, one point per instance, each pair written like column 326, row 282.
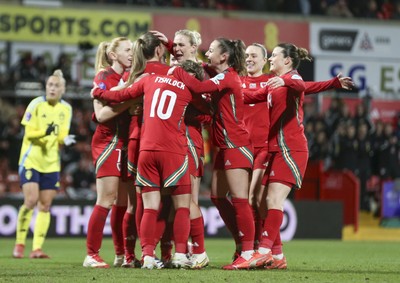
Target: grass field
column 308, row 261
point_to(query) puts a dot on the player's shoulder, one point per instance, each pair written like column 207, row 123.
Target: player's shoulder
column 65, row 104
column 37, row 101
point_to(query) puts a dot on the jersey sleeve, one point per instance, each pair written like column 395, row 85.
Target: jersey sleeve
column 314, row 87
column 30, row 122
column 132, row 92
column 251, row 96
column 295, row 82
column 193, row 84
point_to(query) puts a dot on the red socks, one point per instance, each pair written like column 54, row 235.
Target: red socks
column 147, row 231
column 245, row 223
column 197, row 234
column 117, row 217
column 181, row 229
column 129, row 233
column 95, row 229
column 227, row 213
column 272, row 225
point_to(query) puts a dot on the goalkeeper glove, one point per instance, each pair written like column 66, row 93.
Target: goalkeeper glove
column 50, row 129
column 70, row 139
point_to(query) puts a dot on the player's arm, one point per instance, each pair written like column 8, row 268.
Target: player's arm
column 194, row 85
column 251, row 96
column 294, row 82
column 337, row 82
column 104, row 112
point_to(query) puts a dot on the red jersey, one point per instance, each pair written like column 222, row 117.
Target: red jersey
column 226, row 96
column 152, row 67
column 256, row 116
column 286, row 115
column 165, row 101
column 115, row 129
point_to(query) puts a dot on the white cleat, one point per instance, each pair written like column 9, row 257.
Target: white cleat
column 150, row 262
column 199, row 261
column 118, row 260
column 94, row 261
column 180, row 260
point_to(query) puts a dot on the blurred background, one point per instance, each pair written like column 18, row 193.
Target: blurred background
column 353, row 135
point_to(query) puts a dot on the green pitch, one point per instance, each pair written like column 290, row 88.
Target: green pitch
column 308, row 261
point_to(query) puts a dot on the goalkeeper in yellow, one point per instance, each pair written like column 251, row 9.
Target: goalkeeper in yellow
column 47, row 122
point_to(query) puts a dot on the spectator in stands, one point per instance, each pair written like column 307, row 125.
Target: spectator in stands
column 11, row 136
column 371, row 10
column 389, row 150
column 364, row 155
column 339, row 9
column 346, row 149
column 24, row 70
column 83, row 183
column 362, row 117
column 396, row 10
column 64, row 64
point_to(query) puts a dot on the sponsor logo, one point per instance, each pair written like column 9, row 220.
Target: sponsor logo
column 253, row 85
column 366, row 43
column 102, row 85
column 337, row 40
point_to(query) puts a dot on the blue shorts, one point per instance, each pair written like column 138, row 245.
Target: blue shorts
column 46, row 181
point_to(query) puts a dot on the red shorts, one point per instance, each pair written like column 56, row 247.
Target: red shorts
column 133, row 156
column 260, row 158
column 286, row 168
column 160, row 169
column 196, row 164
column 110, row 161
column 173, row 191
column 232, row 158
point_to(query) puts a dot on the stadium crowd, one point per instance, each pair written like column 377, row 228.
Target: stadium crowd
column 371, row 9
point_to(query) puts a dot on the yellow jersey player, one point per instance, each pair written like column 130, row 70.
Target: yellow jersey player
column 47, row 122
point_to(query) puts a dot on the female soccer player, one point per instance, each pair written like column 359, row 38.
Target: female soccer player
column 163, row 162
column 47, row 121
column 287, row 143
column 109, row 154
column 257, row 124
column 234, row 159
column 185, row 47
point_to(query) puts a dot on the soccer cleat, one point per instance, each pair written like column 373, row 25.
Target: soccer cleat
column 118, row 260
column 256, row 260
column 149, row 262
column 94, row 261
column 167, row 261
column 38, row 254
column 199, row 261
column 236, row 254
column 277, row 264
column 131, row 261
column 260, row 260
column 18, row 251
column 238, row 263
column 180, row 260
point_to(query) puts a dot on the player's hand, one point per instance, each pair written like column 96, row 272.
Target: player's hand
column 50, row 129
column 70, row 139
column 95, row 86
column 141, row 77
column 345, row 82
column 275, row 82
column 160, row 36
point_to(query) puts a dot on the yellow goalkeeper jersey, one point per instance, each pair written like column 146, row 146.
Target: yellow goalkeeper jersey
column 38, row 151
